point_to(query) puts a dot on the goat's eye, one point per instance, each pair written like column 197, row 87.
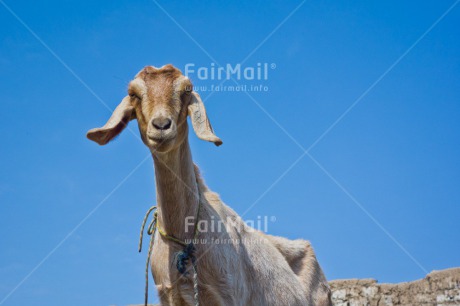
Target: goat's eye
column 133, row 96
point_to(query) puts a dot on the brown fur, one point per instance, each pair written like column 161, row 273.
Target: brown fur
column 254, row 268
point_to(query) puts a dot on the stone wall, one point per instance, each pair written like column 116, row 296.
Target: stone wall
column 440, row 288
column 437, row 288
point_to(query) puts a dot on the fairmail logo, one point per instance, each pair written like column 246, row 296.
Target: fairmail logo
column 237, row 72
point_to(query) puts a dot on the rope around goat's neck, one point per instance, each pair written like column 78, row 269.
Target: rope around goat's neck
column 184, row 255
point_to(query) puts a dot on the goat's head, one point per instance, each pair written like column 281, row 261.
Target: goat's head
column 160, row 99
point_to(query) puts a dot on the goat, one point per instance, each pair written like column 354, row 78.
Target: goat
column 252, row 268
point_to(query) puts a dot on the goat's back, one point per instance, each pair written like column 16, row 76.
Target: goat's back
column 302, row 259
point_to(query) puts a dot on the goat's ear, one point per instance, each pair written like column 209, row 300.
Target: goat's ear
column 200, row 121
column 117, row 122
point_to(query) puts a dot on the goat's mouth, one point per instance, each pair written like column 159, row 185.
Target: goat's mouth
column 158, row 139
column 161, row 141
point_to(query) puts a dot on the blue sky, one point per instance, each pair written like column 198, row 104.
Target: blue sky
column 381, row 200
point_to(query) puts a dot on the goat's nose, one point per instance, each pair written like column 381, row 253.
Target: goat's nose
column 161, row 123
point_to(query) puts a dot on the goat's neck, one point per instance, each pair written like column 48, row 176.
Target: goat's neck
column 177, row 191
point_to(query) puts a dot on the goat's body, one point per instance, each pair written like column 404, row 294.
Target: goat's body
column 236, row 264
column 240, row 266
